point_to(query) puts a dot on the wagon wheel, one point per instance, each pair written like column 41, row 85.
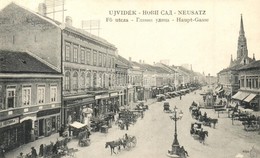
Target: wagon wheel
column 134, row 141
column 128, row 145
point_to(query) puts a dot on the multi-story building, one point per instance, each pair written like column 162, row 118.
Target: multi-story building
column 87, row 62
column 249, row 81
column 228, row 78
column 30, row 98
column 121, row 82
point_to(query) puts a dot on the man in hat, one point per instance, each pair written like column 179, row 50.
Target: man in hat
column 33, row 152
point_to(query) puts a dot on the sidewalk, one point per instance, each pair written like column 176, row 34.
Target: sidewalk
column 26, row 148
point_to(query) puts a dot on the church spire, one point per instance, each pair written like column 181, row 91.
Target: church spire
column 241, row 31
column 242, row 44
column 254, row 56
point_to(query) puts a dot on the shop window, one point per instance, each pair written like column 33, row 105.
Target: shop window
column 67, row 81
column 53, row 123
column 41, row 94
column 53, row 93
column 10, row 101
column 26, row 95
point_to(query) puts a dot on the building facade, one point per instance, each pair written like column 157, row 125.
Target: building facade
column 30, row 99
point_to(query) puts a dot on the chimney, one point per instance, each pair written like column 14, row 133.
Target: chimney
column 68, row 20
column 130, row 59
column 143, row 61
column 42, row 9
column 140, row 61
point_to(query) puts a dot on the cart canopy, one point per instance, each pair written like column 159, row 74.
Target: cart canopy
column 78, row 125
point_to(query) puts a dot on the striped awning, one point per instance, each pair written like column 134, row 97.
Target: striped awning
column 250, row 97
column 240, row 95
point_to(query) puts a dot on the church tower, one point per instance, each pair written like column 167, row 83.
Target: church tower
column 242, row 46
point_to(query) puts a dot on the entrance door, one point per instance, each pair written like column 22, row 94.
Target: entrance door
column 27, row 131
column 41, row 127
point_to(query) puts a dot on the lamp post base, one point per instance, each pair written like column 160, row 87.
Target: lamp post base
column 170, row 154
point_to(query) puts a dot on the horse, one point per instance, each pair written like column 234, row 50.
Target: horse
column 113, row 144
column 202, row 136
column 213, row 121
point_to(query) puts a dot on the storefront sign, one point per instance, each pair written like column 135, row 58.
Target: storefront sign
column 101, row 96
column 9, row 122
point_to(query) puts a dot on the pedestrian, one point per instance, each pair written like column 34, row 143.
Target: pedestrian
column 183, row 150
column 180, row 97
column 20, row 155
column 41, row 150
column 33, row 153
column 2, row 151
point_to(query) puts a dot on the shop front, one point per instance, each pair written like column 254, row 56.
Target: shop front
column 48, row 122
column 74, row 107
column 114, row 102
column 13, row 133
column 102, row 102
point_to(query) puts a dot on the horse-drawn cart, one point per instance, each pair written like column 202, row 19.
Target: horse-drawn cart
column 197, row 132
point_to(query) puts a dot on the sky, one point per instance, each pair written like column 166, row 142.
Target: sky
column 207, row 46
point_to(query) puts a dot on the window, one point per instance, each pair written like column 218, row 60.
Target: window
column 94, row 79
column 82, row 80
column 26, row 96
column 109, row 62
column 82, row 56
column 67, row 52
column 88, row 56
column 104, row 80
column 67, row 81
column 113, row 63
column 104, row 60
column 10, row 98
column 53, row 94
column 75, row 81
column 41, row 94
column 75, row 54
column 88, row 80
column 95, row 58
column 100, row 58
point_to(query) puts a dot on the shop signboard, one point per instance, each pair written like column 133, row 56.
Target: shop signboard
column 102, row 96
column 115, row 94
column 9, row 122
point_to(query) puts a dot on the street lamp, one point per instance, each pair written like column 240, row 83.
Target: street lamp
column 175, row 151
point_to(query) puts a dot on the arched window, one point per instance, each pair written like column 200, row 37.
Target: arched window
column 95, row 79
column 109, row 81
column 88, row 80
column 82, row 80
column 75, row 81
column 104, row 80
column 100, row 80
column 67, row 81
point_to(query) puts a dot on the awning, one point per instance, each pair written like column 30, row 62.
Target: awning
column 227, row 93
column 240, row 95
column 250, row 97
column 77, row 125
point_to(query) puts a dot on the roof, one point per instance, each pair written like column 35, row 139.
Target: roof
column 22, row 62
column 252, row 65
column 59, row 24
column 232, row 68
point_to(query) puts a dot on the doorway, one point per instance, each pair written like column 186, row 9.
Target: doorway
column 41, row 127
